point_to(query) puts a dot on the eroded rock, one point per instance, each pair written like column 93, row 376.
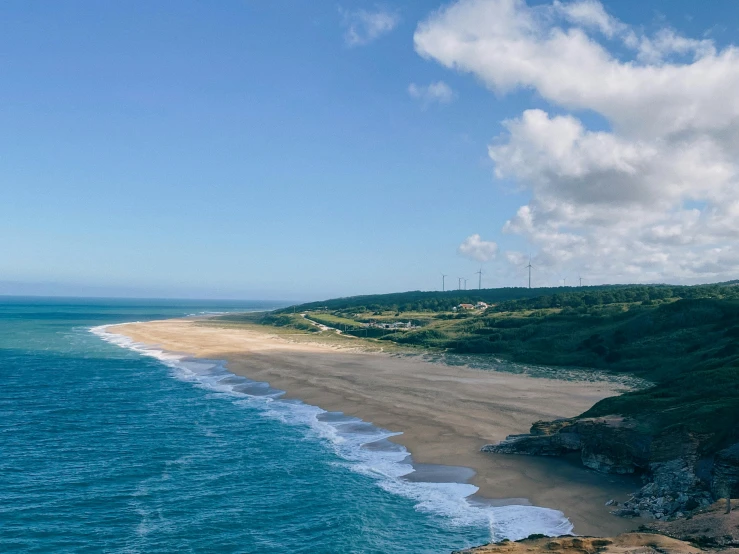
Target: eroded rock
column 607, row 445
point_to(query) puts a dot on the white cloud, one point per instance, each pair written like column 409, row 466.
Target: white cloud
column 656, row 197
column 475, row 248
column 438, row 92
column 667, row 42
column 590, row 13
column 362, row 26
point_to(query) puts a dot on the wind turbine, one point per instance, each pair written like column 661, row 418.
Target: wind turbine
column 443, row 282
column 465, row 283
column 479, row 279
column 529, row 267
column 459, row 283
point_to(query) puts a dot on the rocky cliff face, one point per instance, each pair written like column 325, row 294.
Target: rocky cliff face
column 726, row 473
column 669, row 463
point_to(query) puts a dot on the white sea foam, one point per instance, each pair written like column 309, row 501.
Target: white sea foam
column 356, row 442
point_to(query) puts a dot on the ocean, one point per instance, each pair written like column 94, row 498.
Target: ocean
column 106, row 446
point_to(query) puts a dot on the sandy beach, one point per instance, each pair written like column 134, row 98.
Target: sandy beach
column 445, row 413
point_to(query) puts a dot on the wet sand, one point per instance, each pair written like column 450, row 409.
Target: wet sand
column 446, row 413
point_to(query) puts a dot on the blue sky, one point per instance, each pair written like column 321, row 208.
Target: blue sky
column 251, row 149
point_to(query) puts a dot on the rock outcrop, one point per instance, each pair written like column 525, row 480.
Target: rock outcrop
column 708, row 527
column 678, row 479
column 628, row 543
column 673, row 488
column 608, row 445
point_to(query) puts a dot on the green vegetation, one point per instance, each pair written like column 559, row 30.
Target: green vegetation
column 289, row 321
column 330, row 320
column 518, row 297
column 683, row 339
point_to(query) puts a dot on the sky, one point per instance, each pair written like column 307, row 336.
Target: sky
column 305, row 150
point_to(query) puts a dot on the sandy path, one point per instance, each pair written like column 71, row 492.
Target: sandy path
column 444, row 412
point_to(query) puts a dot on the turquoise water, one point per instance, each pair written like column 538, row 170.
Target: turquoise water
column 111, row 449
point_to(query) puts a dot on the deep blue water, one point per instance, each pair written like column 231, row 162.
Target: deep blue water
column 106, row 449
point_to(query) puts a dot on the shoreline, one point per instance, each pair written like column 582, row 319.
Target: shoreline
column 445, row 413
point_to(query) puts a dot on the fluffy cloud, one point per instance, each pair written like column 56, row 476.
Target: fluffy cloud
column 438, row 92
column 362, row 26
column 654, row 197
column 477, row 249
column 590, row 14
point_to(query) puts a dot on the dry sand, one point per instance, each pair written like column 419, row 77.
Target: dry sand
column 446, row 413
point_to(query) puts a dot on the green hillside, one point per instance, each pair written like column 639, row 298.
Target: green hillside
column 444, row 301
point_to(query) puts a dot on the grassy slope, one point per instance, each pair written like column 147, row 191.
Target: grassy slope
column 284, row 320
